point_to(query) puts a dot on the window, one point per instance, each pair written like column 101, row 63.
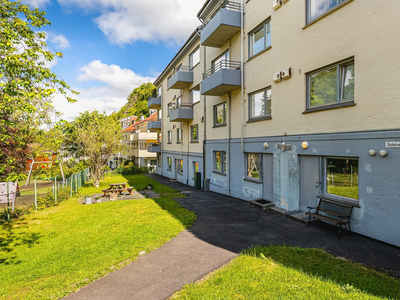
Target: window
column 260, row 38
column 195, row 133
column 179, row 165
column 342, row 177
column 194, row 58
column 220, row 114
column 169, row 163
column 169, row 108
column 159, row 91
column 220, row 161
column 332, row 85
column 170, row 137
column 153, row 162
column 222, row 62
column 253, row 166
column 260, row 104
column 179, row 135
column 194, row 95
column 159, row 115
column 317, row 8
column 159, row 160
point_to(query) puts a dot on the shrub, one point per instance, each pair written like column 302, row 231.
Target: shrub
column 131, row 169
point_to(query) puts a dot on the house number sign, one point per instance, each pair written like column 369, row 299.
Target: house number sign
column 392, row 144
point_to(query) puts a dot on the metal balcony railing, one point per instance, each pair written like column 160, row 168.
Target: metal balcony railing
column 154, row 95
column 180, row 68
column 173, row 106
column 223, row 64
column 222, row 4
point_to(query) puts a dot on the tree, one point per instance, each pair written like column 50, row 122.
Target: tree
column 26, row 85
column 98, row 137
column 137, row 102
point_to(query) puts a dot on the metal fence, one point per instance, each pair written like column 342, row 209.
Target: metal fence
column 72, row 184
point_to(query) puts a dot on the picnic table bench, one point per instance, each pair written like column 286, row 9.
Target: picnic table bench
column 116, row 189
column 331, row 211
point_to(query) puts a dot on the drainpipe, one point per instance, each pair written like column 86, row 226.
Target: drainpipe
column 229, row 144
column 205, row 122
column 242, row 73
column 187, row 156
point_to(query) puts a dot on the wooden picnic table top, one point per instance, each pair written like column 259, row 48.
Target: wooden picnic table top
column 118, row 184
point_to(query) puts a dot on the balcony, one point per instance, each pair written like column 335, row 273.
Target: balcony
column 180, row 78
column 222, row 78
column 221, row 24
column 154, row 102
column 154, row 148
column 154, row 126
column 181, row 113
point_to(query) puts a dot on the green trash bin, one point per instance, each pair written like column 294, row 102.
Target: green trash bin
column 197, row 180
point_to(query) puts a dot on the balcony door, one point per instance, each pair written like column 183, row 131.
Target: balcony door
column 222, row 62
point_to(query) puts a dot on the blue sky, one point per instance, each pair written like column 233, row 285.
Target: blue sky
column 111, row 47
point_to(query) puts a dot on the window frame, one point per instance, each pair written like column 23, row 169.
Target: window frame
column 169, row 134
column 265, row 116
column 191, row 133
column 215, row 115
column 191, row 95
column 179, row 135
column 223, row 162
column 339, row 3
column 179, row 166
column 264, row 24
column 169, row 163
column 325, row 184
column 260, row 171
column 339, row 86
column 191, row 65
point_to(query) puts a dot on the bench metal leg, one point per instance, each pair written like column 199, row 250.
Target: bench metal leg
column 308, row 222
column 340, row 228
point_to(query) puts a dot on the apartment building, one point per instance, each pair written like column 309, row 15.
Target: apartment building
column 139, row 140
column 298, row 100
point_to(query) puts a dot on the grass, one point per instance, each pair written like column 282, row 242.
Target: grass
column 280, row 272
column 52, row 253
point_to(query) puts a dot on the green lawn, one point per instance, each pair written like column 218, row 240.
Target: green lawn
column 52, row 253
column 280, row 272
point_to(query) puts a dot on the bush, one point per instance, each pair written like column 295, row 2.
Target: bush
column 131, row 169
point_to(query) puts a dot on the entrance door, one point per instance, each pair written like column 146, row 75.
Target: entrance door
column 268, row 177
column 309, row 181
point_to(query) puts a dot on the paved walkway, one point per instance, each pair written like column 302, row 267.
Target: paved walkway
column 223, row 228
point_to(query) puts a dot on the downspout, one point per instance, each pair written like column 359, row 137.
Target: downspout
column 229, row 143
column 187, row 156
column 242, row 73
column 205, row 123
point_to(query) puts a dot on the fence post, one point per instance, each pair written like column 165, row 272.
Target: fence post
column 35, row 193
column 76, row 183
column 8, row 202
column 71, row 185
column 55, row 189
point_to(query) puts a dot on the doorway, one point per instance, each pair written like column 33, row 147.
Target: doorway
column 309, row 181
column 268, row 177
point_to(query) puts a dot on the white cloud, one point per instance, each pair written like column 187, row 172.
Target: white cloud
column 36, row 3
column 59, row 41
column 50, row 64
column 127, row 21
column 119, row 83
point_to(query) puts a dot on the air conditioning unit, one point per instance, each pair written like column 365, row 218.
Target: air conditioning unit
column 284, row 1
column 277, row 77
column 277, row 4
column 201, row 119
column 287, row 73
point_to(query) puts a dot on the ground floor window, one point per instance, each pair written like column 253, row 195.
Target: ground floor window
column 159, row 160
column 153, row 162
column 169, row 163
column 220, row 161
column 253, row 166
column 179, row 165
column 342, row 177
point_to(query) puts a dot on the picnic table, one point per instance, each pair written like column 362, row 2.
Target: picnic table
column 116, row 189
column 118, row 186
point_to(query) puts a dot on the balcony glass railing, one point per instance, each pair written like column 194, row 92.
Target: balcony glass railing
column 231, row 5
column 223, row 64
column 154, row 95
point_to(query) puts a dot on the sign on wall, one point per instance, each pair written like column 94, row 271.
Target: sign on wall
column 392, row 144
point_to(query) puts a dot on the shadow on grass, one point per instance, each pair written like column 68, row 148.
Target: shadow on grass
column 9, row 241
column 165, row 201
column 318, row 263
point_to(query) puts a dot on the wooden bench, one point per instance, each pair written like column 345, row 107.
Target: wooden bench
column 334, row 212
column 129, row 189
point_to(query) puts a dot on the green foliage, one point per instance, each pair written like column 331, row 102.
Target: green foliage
column 137, row 102
column 13, row 177
column 280, row 272
column 131, row 169
column 52, row 253
column 26, row 85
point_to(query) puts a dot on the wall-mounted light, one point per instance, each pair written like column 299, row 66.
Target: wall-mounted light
column 304, row 145
column 266, row 145
column 372, row 152
column 383, row 153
